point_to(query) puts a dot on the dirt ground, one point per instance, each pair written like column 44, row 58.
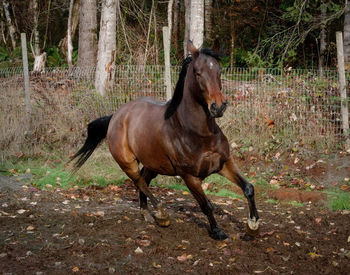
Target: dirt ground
column 98, row 231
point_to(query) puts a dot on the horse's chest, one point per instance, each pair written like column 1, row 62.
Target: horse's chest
column 208, row 163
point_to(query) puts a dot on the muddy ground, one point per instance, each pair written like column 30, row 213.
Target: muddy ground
column 98, row 231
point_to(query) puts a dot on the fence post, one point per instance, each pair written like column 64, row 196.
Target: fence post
column 26, row 74
column 342, row 87
column 167, row 76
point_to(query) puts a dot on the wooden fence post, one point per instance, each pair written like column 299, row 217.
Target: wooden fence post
column 167, row 76
column 342, row 88
column 26, row 74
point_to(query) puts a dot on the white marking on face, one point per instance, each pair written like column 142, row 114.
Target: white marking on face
column 211, row 65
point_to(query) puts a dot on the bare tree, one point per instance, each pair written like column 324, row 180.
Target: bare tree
column 323, row 36
column 106, row 47
column 187, row 25
column 63, row 45
column 197, row 22
column 208, row 20
column 176, row 24
column 39, row 58
column 347, row 35
column 87, row 34
column 69, row 36
column 10, row 25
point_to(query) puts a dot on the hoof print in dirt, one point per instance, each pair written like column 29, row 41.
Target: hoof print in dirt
column 217, row 234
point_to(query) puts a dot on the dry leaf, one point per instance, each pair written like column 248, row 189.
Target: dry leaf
column 75, row 269
column 318, row 221
column 21, row 211
column 30, row 228
column 156, row 265
column 143, row 242
column 270, row 249
column 182, row 258
column 138, row 250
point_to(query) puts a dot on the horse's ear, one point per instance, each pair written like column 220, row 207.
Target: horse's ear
column 216, row 46
column 192, row 49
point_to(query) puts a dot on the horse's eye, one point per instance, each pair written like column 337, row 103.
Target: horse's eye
column 198, row 74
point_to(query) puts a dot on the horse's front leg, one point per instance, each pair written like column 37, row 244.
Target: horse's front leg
column 230, row 171
column 194, row 185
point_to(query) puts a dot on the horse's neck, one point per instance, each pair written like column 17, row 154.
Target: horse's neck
column 192, row 114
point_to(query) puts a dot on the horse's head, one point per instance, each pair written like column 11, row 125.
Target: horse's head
column 207, row 72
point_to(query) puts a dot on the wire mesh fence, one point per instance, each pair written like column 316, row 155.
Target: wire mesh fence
column 266, row 105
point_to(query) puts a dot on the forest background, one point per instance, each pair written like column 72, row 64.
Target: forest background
column 262, row 33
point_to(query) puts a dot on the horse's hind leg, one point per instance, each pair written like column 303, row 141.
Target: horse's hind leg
column 230, row 171
column 134, row 173
column 194, row 184
column 148, row 175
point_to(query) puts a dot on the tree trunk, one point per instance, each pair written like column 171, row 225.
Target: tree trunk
column 347, row 35
column 176, row 25
column 322, row 37
column 87, row 34
column 106, row 47
column 63, row 45
column 170, row 21
column 197, row 22
column 208, row 20
column 187, row 25
column 39, row 58
column 10, row 25
column 69, row 36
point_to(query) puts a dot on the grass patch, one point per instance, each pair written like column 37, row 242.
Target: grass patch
column 41, row 172
column 271, row 201
column 338, row 199
column 297, row 204
column 225, row 193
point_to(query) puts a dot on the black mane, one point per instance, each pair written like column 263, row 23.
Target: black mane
column 179, row 88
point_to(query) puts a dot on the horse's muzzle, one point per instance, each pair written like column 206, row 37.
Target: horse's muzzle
column 216, row 111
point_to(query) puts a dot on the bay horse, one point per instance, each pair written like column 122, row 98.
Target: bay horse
column 177, row 138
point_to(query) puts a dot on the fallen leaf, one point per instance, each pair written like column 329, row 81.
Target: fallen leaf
column 263, row 234
column 21, row 211
column 156, row 265
column 143, row 242
column 184, row 257
column 348, row 239
column 270, row 249
column 221, row 245
column 100, row 213
column 314, row 255
column 30, row 228
column 318, row 221
column 75, row 269
column 138, row 250
column 286, row 244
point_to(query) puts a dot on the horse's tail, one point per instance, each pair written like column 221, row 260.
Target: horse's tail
column 97, row 131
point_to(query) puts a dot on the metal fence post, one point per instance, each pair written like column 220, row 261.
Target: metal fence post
column 342, row 88
column 167, row 76
column 26, row 74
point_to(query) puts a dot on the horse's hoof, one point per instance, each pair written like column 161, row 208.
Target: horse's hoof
column 217, row 234
column 252, row 227
column 162, row 218
column 147, row 216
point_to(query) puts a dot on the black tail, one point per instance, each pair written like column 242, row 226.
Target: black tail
column 97, row 131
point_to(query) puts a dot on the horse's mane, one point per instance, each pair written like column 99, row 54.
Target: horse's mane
column 179, row 88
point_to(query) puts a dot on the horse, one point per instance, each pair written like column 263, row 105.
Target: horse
column 177, row 138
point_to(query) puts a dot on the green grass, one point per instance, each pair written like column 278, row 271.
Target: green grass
column 44, row 172
column 271, row 201
column 297, row 204
column 338, row 199
column 225, row 193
